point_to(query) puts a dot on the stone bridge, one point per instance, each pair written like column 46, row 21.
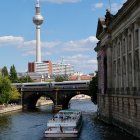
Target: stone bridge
column 60, row 97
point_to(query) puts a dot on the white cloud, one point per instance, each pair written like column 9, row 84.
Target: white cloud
column 51, row 44
column 123, row 1
column 98, row 5
column 115, row 7
column 82, row 62
column 80, row 45
column 11, row 41
column 92, row 61
column 62, row 1
column 74, row 59
column 74, row 52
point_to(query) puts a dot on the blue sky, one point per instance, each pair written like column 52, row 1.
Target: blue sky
column 68, row 32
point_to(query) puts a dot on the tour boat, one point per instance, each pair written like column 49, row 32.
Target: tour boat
column 66, row 123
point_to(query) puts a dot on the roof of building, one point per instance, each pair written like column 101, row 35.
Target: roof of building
column 80, row 77
column 110, row 20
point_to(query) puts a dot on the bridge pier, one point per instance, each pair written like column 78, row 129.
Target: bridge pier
column 56, row 108
column 24, row 107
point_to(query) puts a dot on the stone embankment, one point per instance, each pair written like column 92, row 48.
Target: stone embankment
column 9, row 108
column 15, row 107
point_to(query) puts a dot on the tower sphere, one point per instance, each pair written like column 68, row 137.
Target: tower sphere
column 38, row 19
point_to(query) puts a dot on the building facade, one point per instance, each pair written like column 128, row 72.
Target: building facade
column 62, row 69
column 47, row 67
column 118, row 54
column 44, row 67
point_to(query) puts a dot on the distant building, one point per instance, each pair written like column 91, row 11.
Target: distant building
column 42, row 67
column 118, row 54
column 62, row 69
column 36, row 77
column 77, row 76
column 47, row 67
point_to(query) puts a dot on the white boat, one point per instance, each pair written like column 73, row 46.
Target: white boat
column 67, row 123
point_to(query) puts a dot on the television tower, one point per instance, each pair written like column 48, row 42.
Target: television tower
column 38, row 20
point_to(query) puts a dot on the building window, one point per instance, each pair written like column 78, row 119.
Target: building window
column 137, row 38
column 130, row 70
column 123, row 46
column 135, row 108
column 114, row 51
column 128, row 108
column 114, row 73
column 118, row 104
column 118, row 74
column 119, row 47
column 136, row 68
column 113, row 103
column 122, row 105
column 129, row 42
column 124, row 72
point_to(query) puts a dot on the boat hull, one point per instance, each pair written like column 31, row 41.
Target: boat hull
column 68, row 134
column 64, row 135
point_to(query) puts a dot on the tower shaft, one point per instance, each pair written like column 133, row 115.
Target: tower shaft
column 38, row 48
column 38, row 20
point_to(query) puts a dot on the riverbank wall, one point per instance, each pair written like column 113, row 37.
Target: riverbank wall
column 122, row 111
column 10, row 108
column 13, row 107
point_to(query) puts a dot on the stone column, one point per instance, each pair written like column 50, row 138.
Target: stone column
column 132, row 53
column 109, row 66
column 126, row 39
column 138, row 23
column 121, row 56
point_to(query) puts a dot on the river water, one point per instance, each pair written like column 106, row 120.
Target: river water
column 30, row 125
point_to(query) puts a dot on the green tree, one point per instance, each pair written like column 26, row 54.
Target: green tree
column 25, row 79
column 93, row 88
column 4, row 71
column 5, row 89
column 13, row 74
column 59, row 79
column 14, row 95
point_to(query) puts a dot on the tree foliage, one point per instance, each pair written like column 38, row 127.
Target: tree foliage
column 13, row 74
column 60, row 78
column 14, row 95
column 25, row 79
column 93, row 88
column 4, row 71
column 5, row 89
column 7, row 92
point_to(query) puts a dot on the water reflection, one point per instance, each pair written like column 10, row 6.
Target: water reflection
column 5, row 120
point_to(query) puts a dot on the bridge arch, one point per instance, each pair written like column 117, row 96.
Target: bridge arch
column 29, row 100
column 68, row 96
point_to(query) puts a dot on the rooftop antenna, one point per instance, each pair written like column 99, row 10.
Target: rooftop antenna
column 110, row 6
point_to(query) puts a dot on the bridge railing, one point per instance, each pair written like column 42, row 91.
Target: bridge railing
column 54, row 85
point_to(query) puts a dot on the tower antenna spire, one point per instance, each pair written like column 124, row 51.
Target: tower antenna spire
column 37, row 3
column 110, row 6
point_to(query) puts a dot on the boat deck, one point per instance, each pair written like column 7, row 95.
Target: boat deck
column 64, row 124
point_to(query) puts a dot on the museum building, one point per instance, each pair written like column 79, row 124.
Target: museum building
column 118, row 55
